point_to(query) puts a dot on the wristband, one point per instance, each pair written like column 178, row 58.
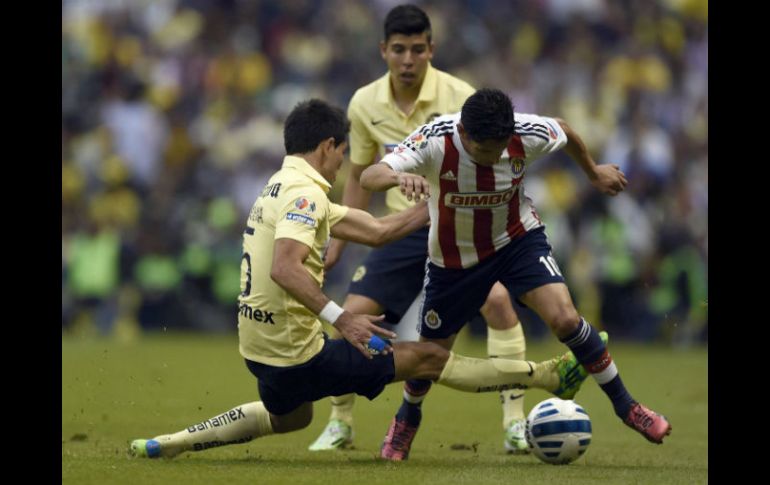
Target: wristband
column 331, row 312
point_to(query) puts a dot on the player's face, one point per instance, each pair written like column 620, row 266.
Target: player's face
column 407, row 57
column 333, row 162
column 487, row 152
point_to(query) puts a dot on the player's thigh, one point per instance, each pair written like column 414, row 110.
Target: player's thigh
column 361, row 304
column 498, row 310
column 553, row 303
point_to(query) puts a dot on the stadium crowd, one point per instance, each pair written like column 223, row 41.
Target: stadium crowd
column 172, row 112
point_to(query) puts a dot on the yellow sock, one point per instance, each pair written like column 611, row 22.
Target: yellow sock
column 239, row 425
column 342, row 408
column 484, row 375
column 509, row 344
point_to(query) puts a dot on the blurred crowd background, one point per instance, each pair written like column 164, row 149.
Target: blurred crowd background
column 172, row 115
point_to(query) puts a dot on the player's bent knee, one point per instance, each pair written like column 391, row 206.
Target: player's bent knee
column 298, row 419
column 564, row 322
column 433, row 357
column 498, row 298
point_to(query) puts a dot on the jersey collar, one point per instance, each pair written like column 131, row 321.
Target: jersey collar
column 428, row 90
column 300, row 164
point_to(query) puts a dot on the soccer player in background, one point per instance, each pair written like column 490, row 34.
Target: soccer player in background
column 280, row 335
column 382, row 114
column 485, row 229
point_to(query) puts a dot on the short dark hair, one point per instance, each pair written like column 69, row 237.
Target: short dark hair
column 310, row 123
column 488, row 115
column 407, row 20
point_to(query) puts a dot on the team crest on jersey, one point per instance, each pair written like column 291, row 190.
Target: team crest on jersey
column 359, row 274
column 517, row 167
column 432, row 320
column 417, row 138
column 304, row 204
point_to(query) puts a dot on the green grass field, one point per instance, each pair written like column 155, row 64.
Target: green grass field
column 114, row 392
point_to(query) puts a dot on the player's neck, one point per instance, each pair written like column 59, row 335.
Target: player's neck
column 405, row 97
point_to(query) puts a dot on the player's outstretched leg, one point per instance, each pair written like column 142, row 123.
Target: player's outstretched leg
column 561, row 375
column 238, row 425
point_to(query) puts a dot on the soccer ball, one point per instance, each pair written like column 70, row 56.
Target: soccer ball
column 558, row 431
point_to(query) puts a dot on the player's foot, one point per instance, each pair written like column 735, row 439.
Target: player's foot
column 571, row 373
column 336, row 435
column 515, row 441
column 650, row 424
column 145, row 449
column 398, row 441
column 153, row 448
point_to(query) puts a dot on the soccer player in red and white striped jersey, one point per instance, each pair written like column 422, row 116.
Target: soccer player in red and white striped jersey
column 485, row 229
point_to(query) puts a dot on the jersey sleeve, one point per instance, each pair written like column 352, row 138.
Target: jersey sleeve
column 337, row 213
column 413, row 154
column 540, row 135
column 363, row 148
column 299, row 214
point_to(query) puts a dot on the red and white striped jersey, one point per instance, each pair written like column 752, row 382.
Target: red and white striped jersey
column 475, row 210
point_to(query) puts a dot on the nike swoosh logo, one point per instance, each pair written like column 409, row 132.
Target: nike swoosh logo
column 375, row 123
column 531, row 370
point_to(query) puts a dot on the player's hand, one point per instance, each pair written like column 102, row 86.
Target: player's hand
column 333, row 253
column 609, row 180
column 358, row 329
column 413, row 186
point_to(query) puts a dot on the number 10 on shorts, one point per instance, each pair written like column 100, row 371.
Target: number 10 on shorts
column 550, row 263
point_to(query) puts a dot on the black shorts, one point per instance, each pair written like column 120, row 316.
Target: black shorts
column 454, row 296
column 339, row 368
column 394, row 274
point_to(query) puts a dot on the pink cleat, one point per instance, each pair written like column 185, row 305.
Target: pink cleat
column 398, row 441
column 650, row 424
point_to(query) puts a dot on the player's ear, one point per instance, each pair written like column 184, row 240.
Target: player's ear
column 383, row 48
column 327, row 145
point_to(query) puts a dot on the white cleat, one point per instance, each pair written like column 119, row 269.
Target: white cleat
column 336, row 436
column 515, row 442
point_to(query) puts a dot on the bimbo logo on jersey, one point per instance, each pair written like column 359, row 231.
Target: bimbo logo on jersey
column 479, row 200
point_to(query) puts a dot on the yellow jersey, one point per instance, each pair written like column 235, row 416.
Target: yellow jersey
column 273, row 327
column 377, row 125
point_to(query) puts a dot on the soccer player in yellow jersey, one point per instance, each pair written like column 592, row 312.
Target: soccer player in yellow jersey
column 382, row 114
column 281, row 337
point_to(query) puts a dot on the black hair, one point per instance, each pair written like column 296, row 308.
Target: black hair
column 488, row 115
column 407, row 20
column 310, row 123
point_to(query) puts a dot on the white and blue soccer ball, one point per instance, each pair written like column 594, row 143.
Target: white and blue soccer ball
column 558, row 431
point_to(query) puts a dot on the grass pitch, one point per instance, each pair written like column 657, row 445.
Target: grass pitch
column 113, row 392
